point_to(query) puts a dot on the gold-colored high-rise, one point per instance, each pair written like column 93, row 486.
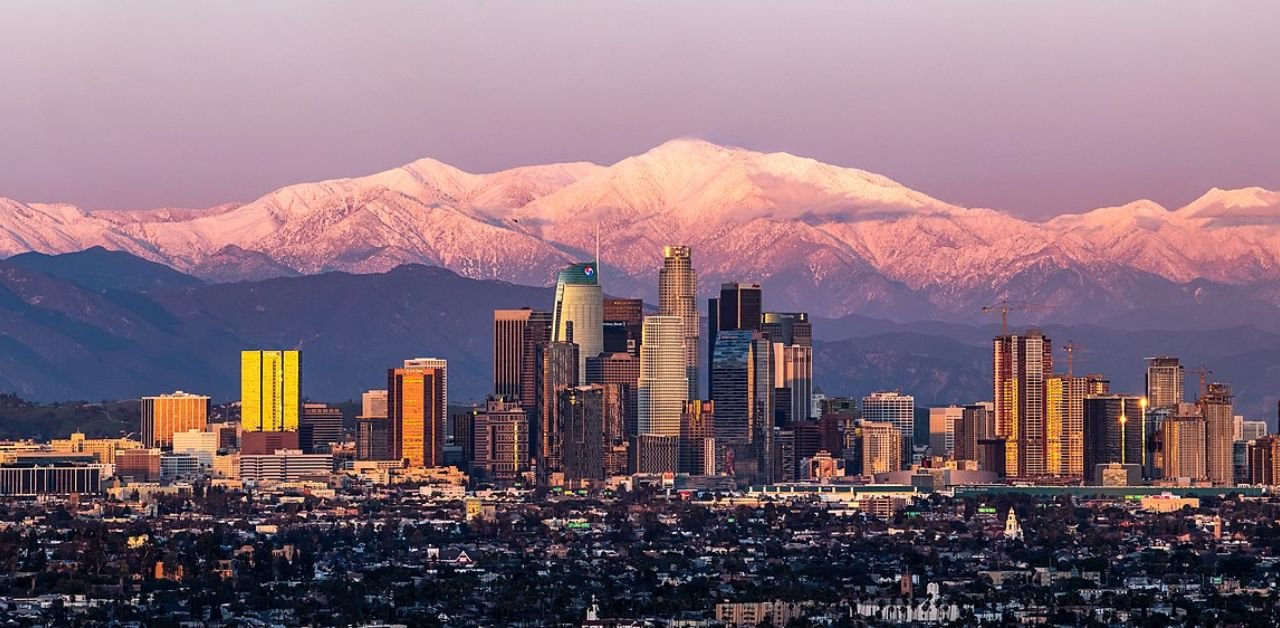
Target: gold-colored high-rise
column 269, row 397
column 417, row 404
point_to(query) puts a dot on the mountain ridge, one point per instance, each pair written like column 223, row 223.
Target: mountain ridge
column 835, row 240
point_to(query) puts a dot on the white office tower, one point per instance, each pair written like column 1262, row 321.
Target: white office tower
column 580, row 306
column 663, row 388
column 894, row 408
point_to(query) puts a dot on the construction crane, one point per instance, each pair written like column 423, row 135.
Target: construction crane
column 1071, row 348
column 1204, row 372
column 1004, row 306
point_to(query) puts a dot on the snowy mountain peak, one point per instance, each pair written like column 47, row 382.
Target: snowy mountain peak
column 825, row 238
column 1244, row 204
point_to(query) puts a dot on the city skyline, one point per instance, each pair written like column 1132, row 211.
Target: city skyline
column 725, row 314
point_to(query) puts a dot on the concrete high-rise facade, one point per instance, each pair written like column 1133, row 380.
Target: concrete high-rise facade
column 878, row 447
column 165, row 415
column 270, row 400
column 591, row 416
column 894, row 408
column 1021, row 365
column 1182, row 445
column 373, row 404
column 662, row 389
column 373, row 428
column 788, row 328
column 975, row 423
column 697, row 438
column 623, row 319
column 1064, row 421
column 1263, row 460
column 537, row 332
column 1114, row 432
column 943, row 423
column 1219, row 433
column 793, row 374
column 499, row 440
column 509, row 345
column 1165, row 378
column 678, row 297
column 579, row 312
column 623, row 370
column 417, row 404
column 319, row 428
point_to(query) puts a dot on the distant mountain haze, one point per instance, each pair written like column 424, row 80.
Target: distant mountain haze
column 826, row 239
column 99, row 324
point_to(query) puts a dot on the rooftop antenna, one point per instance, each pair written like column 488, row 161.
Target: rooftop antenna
column 599, row 266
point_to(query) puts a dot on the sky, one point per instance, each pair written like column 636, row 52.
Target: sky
column 1035, row 108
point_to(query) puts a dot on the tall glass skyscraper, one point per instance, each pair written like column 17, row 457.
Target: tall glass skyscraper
column 579, row 305
column 678, row 296
column 662, row 387
column 1113, row 432
column 737, row 308
column 269, row 395
column 742, row 372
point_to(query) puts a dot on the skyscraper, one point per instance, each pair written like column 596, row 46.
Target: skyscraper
column 509, row 346
column 1183, row 447
column 742, row 370
column 373, row 428
column 1021, row 364
column 894, row 408
column 590, row 414
column 1219, row 433
column 737, row 308
column 1064, row 421
column 579, row 305
column 418, row 403
column 788, row 328
column 697, row 438
column 622, row 369
column 269, row 396
column 558, row 372
column 622, row 321
column 678, row 296
column 942, row 429
column 662, row 389
column 1263, row 456
column 499, row 440
column 1113, row 432
column 537, row 332
column 165, row 415
column 878, row 448
column 975, row 423
column 1165, row 378
column 319, row 427
column 793, row 380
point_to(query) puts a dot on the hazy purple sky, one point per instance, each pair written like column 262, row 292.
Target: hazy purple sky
column 1032, row 107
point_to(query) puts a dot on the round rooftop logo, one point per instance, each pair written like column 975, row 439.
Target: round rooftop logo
column 589, row 271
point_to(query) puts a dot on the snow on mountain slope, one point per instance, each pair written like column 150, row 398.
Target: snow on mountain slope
column 827, row 238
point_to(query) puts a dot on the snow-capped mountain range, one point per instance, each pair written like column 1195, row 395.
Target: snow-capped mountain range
column 823, row 238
